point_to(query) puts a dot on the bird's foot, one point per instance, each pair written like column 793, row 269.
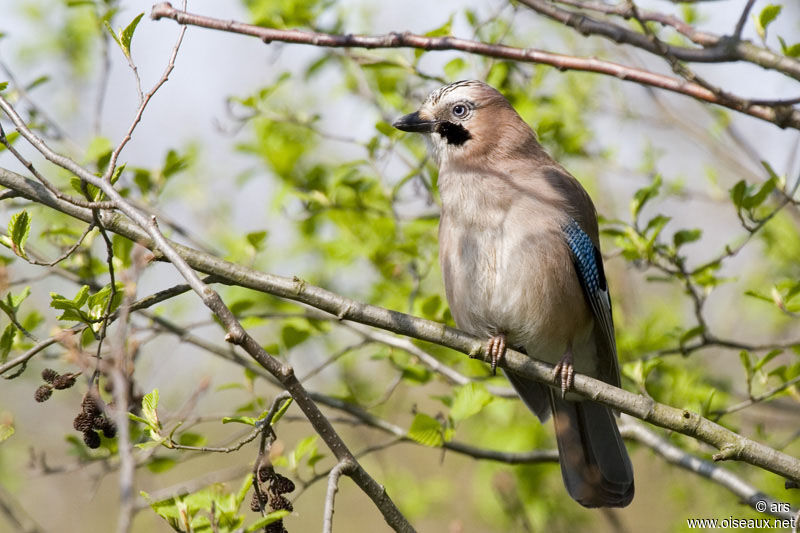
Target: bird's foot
column 496, row 349
column 564, row 373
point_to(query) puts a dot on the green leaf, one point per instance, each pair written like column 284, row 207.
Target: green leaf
column 766, row 359
column 307, row 446
column 279, row 414
column 690, row 334
column 241, row 494
column 81, row 297
column 454, row 68
column 174, row 163
column 6, row 429
column 7, row 341
column 19, row 227
column 274, row 516
column 685, row 236
column 249, row 420
column 149, row 411
column 138, row 419
column 99, row 301
column 124, row 37
column 469, row 400
column 790, row 51
column 443, row 30
column 295, row 333
column 16, row 301
column 38, row 81
column 127, row 34
column 738, row 193
column 644, row 195
column 744, row 356
column 160, row 464
column 122, row 249
column 256, row 239
column 426, row 430
column 3, row 85
column 765, row 18
column 192, row 439
column 112, row 33
column 757, row 198
column 71, row 308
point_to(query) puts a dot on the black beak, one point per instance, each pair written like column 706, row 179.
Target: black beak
column 413, row 122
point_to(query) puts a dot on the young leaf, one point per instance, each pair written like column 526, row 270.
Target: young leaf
column 738, row 193
column 249, row 420
column 19, row 227
column 274, row 516
column 149, row 411
column 126, row 35
column 279, row 414
column 766, row 359
column 685, row 236
column 469, row 400
column 256, row 239
column 765, row 18
column 790, row 51
column 426, row 430
column 757, row 198
column 6, row 428
column 644, row 195
column 7, row 342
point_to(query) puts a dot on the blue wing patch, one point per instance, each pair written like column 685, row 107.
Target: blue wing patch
column 589, row 267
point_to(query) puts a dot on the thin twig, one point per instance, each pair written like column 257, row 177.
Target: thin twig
column 737, row 32
column 50, row 187
column 112, row 163
column 342, row 467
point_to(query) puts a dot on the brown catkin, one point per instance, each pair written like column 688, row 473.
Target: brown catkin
column 91, row 438
column 49, row 375
column 43, row 393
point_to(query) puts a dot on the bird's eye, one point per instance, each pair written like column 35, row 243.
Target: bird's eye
column 459, row 110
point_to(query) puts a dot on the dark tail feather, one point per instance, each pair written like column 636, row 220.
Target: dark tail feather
column 533, row 394
column 594, row 462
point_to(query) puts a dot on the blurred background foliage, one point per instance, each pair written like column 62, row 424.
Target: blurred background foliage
column 296, row 170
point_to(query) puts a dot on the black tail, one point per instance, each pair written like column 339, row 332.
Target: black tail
column 594, row 462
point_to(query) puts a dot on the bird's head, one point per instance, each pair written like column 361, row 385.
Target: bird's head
column 466, row 120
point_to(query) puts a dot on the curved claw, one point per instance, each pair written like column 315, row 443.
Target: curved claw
column 496, row 348
column 564, row 372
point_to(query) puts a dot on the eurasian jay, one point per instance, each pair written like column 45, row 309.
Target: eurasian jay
column 520, row 256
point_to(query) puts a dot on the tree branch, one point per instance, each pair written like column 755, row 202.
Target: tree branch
column 730, row 444
column 336, row 472
column 782, row 116
column 716, row 49
column 674, row 455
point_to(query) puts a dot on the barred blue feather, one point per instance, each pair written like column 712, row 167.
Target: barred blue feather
column 589, row 267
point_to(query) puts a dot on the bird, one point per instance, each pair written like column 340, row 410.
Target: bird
column 520, row 256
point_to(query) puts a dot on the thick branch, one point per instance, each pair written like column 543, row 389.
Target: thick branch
column 730, row 444
column 716, row 48
column 782, row 116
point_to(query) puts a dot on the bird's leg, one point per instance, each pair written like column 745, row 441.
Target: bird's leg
column 565, row 372
column 496, row 348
